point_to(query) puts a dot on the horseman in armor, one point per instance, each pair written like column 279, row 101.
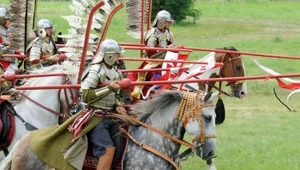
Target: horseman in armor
column 158, row 36
column 4, row 44
column 42, row 45
column 103, row 73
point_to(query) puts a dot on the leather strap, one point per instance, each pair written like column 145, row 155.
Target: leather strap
column 149, row 148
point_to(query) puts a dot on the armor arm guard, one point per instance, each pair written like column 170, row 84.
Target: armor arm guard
column 35, row 52
column 152, row 41
column 89, row 95
column 90, row 84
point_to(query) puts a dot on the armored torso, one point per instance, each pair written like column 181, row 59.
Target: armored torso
column 156, row 38
column 41, row 47
column 100, row 74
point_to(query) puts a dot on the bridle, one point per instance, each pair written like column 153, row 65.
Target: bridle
column 63, row 115
column 229, row 61
column 190, row 108
column 72, row 93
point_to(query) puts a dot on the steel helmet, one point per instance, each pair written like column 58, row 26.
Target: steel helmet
column 108, row 52
column 161, row 18
column 42, row 25
column 4, row 14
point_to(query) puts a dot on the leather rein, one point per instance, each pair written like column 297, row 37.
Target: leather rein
column 63, row 115
column 195, row 113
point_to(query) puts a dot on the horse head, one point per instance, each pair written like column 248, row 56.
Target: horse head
column 173, row 113
column 233, row 66
column 200, row 125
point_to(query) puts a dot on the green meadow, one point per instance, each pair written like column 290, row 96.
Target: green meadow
column 259, row 133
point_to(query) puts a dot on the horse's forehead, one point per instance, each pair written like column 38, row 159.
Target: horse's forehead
column 208, row 111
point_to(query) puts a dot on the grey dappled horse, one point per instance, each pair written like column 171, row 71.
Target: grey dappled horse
column 172, row 112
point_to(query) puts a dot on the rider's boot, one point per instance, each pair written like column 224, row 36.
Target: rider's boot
column 139, row 88
column 106, row 160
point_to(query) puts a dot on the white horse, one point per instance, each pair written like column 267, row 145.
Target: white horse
column 31, row 115
column 171, row 112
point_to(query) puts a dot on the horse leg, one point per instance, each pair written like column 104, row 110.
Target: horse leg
column 24, row 158
column 6, row 162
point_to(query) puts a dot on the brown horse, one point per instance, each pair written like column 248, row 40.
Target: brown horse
column 232, row 67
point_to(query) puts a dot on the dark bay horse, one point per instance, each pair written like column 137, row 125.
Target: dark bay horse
column 171, row 112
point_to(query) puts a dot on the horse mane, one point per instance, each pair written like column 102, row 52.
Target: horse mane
column 230, row 48
column 143, row 109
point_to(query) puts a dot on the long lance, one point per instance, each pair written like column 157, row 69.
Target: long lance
column 153, row 69
column 12, row 77
column 62, row 57
column 259, row 77
column 135, row 46
column 173, row 61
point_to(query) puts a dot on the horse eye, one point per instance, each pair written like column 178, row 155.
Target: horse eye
column 238, row 68
column 208, row 118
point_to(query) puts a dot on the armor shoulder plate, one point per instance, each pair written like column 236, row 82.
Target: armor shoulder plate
column 31, row 43
column 91, row 79
column 149, row 33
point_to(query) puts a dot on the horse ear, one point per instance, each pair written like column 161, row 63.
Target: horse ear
column 209, row 97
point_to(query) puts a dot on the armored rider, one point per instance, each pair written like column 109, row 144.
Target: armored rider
column 43, row 45
column 158, row 36
column 4, row 44
column 103, row 72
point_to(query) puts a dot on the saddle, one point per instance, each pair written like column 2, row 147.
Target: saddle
column 7, row 124
column 58, row 139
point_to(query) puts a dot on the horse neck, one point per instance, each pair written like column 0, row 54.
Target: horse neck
column 212, row 57
column 35, row 114
column 163, row 120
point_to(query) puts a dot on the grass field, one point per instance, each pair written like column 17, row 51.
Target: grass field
column 259, row 133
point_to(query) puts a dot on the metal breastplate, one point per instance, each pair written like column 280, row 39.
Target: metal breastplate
column 164, row 38
column 47, row 47
column 110, row 75
column 105, row 75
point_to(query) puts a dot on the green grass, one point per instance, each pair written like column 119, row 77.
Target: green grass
column 259, row 133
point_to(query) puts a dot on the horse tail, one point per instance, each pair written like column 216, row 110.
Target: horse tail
column 6, row 162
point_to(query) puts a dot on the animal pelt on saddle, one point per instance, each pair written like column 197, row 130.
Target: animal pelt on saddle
column 54, row 144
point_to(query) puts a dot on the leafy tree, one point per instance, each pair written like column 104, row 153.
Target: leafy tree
column 179, row 9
